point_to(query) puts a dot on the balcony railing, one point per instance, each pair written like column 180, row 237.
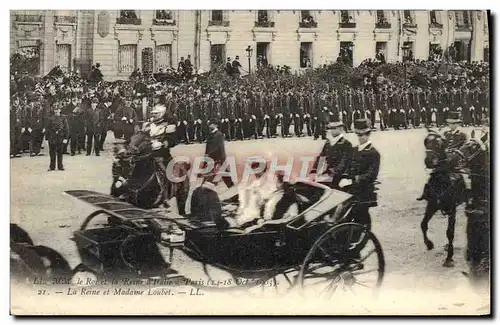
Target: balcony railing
column 29, row 18
column 65, row 19
column 267, row 24
column 347, row 25
column 435, row 25
column 128, row 21
column 308, row 24
column 383, row 25
column 164, row 22
column 221, row 23
column 410, row 25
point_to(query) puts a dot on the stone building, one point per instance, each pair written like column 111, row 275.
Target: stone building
column 149, row 40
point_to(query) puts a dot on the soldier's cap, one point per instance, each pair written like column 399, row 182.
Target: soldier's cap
column 237, row 57
column 362, row 126
column 333, row 125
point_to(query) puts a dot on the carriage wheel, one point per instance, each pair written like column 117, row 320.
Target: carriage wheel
column 347, row 258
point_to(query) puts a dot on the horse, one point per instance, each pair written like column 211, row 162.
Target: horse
column 476, row 156
column 28, row 261
column 445, row 189
column 138, row 178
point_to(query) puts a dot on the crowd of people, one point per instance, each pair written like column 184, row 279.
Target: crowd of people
column 270, row 102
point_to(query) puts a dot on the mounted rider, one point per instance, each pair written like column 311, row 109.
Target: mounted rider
column 161, row 130
column 454, row 139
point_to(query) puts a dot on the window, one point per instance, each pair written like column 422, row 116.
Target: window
column 462, row 50
column 163, row 57
column 382, row 21
column 28, row 15
column 262, row 16
column 408, row 17
column 262, row 54
column 128, row 14
column 66, row 16
column 127, row 58
column 307, row 20
column 434, row 19
column 435, row 52
column 264, row 19
column 217, row 55
column 407, row 51
column 347, row 19
column 305, row 55
column 486, row 54
column 128, row 17
column 63, row 56
column 462, row 18
column 217, row 15
column 346, row 53
column 164, row 15
column 381, row 52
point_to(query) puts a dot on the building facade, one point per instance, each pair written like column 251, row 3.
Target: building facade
column 150, row 40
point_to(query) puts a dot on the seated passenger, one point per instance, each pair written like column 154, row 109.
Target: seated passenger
column 252, row 197
column 281, row 204
column 205, row 203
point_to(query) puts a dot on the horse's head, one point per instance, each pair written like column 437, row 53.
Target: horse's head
column 475, row 152
column 435, row 145
column 140, row 144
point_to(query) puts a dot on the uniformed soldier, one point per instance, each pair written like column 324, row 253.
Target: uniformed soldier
column 338, row 152
column 94, row 127
column 76, row 119
column 57, row 129
column 15, row 126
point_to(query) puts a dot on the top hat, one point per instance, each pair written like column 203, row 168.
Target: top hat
column 362, row 126
column 454, row 117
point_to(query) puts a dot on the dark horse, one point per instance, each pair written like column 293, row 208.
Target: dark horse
column 28, row 261
column 476, row 155
column 444, row 190
column 138, row 178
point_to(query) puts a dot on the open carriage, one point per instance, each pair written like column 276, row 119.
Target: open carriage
column 318, row 247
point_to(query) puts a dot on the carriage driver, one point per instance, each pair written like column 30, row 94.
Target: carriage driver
column 362, row 173
column 161, row 132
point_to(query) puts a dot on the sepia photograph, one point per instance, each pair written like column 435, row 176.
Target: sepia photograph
column 250, row 162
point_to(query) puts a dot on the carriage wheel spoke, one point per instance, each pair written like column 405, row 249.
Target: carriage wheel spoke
column 287, row 279
column 364, row 271
column 362, row 284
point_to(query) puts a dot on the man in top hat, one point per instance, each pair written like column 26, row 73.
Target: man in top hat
column 76, row 119
column 455, row 138
column 362, row 173
column 94, row 127
column 57, row 133
column 126, row 117
column 236, row 67
column 215, row 149
column 228, row 67
column 338, row 152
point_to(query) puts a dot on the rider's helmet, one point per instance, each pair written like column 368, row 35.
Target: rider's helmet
column 158, row 113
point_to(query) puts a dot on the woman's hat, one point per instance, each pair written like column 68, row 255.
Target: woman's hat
column 362, row 126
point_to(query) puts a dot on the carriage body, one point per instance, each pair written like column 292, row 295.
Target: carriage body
column 262, row 251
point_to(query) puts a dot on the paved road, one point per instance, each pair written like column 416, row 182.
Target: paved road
column 38, row 206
